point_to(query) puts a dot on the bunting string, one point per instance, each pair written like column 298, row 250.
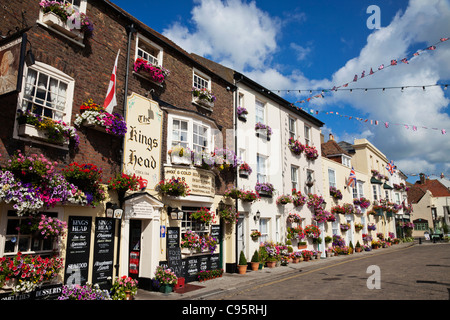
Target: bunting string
column 393, row 62
column 369, row 121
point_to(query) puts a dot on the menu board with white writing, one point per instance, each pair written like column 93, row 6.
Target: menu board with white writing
column 77, row 253
column 103, row 252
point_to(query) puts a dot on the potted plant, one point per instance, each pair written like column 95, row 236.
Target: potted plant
column 232, row 193
column 166, row 278
column 242, row 266
column 358, row 247
column 307, row 255
column 335, row 193
column 302, row 245
column 295, row 256
column 255, row 261
column 124, row 288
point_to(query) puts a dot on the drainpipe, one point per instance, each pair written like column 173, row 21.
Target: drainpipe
column 130, row 30
column 236, row 101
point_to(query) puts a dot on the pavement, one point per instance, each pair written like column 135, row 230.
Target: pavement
column 197, row 290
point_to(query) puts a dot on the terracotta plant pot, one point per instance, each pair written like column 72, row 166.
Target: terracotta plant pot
column 255, row 266
column 271, row 264
column 242, row 269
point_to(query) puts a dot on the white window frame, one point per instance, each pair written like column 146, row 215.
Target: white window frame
column 54, row 73
column 190, row 137
column 292, row 125
column 260, row 111
column 312, row 188
column 203, row 77
column 140, row 39
column 307, row 135
column 376, row 192
column 264, row 229
column 358, row 190
column 4, row 221
column 332, row 177
column 294, row 177
column 261, row 168
column 346, row 161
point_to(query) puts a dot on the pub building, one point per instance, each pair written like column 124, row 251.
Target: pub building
column 60, row 73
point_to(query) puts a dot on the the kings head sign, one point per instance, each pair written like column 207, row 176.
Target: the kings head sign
column 142, row 149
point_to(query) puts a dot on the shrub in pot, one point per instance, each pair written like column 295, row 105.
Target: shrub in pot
column 242, row 265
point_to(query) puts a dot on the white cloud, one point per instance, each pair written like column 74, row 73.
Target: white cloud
column 241, row 36
column 234, row 33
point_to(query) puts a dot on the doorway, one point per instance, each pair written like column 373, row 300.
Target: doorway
column 135, row 248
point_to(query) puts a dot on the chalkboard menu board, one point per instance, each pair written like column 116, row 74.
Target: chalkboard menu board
column 103, row 252
column 173, row 238
column 190, row 266
column 77, row 253
column 215, row 231
column 174, row 261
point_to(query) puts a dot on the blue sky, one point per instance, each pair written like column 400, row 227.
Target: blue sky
column 307, row 44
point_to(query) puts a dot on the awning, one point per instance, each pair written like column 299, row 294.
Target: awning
column 376, row 181
column 386, row 186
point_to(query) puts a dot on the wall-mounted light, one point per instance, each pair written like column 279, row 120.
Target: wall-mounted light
column 257, row 215
column 29, row 57
column 113, row 211
column 175, row 213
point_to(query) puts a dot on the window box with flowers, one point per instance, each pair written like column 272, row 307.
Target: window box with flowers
column 263, row 130
column 335, row 193
column 46, row 130
column 180, row 155
column 153, row 72
column 173, row 187
column 232, row 192
column 264, row 189
column 295, row 146
column 242, row 114
column 244, row 170
column 94, row 116
column 203, row 97
column 23, row 273
column 66, row 19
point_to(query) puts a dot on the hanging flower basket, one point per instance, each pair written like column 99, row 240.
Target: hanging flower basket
column 295, row 146
column 244, row 170
column 203, row 97
column 297, row 198
column 335, row 193
column 202, row 215
column 228, row 215
column 284, row 199
column 248, row 196
column 311, row 153
column 173, row 187
column 255, row 234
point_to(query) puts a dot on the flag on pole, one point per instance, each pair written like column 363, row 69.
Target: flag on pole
column 352, row 179
column 390, row 167
column 110, row 100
